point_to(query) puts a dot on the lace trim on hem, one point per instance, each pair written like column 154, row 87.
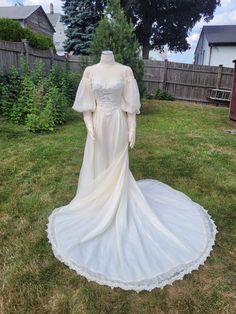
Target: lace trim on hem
column 176, row 273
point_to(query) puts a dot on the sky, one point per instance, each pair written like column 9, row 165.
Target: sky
column 225, row 14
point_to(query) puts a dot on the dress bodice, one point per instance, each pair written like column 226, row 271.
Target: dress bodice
column 107, row 94
column 119, row 93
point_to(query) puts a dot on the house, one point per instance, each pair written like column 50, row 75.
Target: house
column 216, row 45
column 59, row 36
column 31, row 16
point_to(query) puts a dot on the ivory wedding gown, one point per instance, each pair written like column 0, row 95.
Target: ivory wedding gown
column 136, row 235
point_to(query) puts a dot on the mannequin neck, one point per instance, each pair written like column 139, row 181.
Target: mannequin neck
column 107, row 58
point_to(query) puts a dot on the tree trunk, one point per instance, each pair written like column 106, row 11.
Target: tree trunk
column 145, row 52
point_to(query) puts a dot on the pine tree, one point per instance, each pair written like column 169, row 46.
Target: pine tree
column 81, row 18
column 115, row 33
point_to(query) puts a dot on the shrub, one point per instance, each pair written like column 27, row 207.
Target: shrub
column 163, row 95
column 41, row 121
column 71, row 80
column 37, row 75
column 11, row 30
column 159, row 94
column 30, row 36
column 45, row 42
column 55, row 99
column 65, row 80
column 10, row 87
column 36, row 40
column 25, row 102
column 40, row 115
column 35, row 100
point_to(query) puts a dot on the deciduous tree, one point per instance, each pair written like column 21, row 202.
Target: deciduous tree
column 167, row 22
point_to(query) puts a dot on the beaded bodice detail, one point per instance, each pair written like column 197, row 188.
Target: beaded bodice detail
column 107, row 94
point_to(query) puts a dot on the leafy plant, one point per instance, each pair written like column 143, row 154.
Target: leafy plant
column 163, row 95
column 11, row 30
column 159, row 94
column 25, row 103
column 10, row 87
column 41, row 121
column 37, row 74
column 34, row 99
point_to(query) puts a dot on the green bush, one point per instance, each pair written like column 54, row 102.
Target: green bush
column 37, row 74
column 159, row 94
column 163, row 95
column 48, row 109
column 42, row 121
column 37, row 41
column 44, row 42
column 11, row 30
column 54, row 96
column 65, row 80
column 36, row 100
column 10, row 87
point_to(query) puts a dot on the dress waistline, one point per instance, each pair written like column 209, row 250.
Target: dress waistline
column 107, row 109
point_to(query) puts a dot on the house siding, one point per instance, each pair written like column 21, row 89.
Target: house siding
column 215, row 55
column 39, row 24
column 59, row 37
column 223, row 55
column 202, row 52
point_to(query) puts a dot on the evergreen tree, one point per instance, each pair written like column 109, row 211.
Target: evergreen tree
column 81, row 18
column 116, row 34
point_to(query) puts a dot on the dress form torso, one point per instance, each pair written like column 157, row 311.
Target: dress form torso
column 108, row 69
column 104, row 76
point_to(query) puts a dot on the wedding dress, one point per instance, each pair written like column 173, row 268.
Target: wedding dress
column 116, row 231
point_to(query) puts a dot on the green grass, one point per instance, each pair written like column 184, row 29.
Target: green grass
column 181, row 144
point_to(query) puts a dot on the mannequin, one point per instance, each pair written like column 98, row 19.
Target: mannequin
column 107, row 62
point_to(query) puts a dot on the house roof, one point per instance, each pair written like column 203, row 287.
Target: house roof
column 54, row 18
column 18, row 12
column 220, row 34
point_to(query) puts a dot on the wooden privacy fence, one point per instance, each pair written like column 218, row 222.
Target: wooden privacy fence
column 184, row 81
column 10, row 53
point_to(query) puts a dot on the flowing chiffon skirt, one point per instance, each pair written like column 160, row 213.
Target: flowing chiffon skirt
column 116, row 231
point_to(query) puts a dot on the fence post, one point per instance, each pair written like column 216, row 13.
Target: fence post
column 232, row 107
column 165, row 74
column 67, row 61
column 26, row 47
column 219, row 76
column 52, row 56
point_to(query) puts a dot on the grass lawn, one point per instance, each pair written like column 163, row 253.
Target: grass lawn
column 181, row 144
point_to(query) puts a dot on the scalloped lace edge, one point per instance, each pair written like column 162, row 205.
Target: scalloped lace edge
column 159, row 281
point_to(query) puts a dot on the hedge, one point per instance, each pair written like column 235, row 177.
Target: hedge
column 11, row 30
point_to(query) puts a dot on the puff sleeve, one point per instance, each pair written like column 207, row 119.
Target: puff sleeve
column 85, row 99
column 130, row 101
